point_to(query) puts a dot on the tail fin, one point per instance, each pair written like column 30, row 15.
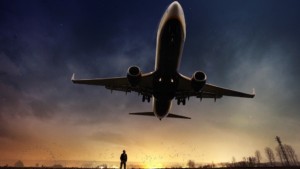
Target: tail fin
column 152, row 114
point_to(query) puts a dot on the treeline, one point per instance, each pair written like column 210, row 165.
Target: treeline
column 284, row 156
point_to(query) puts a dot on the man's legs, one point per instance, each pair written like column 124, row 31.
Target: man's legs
column 121, row 165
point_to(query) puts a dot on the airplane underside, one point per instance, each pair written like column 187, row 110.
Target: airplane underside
column 165, row 83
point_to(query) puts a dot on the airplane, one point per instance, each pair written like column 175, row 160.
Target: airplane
column 165, row 83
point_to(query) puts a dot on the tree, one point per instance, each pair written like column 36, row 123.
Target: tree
column 57, row 166
column 251, row 161
column 282, row 153
column 233, row 161
column 279, row 154
column 191, row 164
column 19, row 163
column 288, row 157
column 291, row 154
column 258, row 157
column 270, row 155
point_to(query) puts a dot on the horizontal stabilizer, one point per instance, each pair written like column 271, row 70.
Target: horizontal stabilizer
column 177, row 116
column 152, row 114
column 143, row 113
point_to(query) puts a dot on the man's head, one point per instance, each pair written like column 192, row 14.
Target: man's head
column 124, row 151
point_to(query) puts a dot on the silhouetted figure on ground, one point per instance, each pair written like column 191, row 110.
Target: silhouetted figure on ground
column 123, row 159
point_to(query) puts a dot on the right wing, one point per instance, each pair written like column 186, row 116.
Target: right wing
column 185, row 90
column 209, row 88
column 121, row 84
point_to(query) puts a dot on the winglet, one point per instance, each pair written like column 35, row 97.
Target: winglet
column 253, row 93
column 73, row 77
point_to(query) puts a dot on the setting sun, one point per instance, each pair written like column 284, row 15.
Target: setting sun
column 153, row 164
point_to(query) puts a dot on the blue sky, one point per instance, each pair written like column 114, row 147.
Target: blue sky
column 239, row 44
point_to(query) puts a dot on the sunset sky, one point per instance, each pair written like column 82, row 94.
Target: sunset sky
column 239, row 44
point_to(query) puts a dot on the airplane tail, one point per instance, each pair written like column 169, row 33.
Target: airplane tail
column 152, row 114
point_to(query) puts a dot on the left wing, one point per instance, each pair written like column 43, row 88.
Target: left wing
column 185, row 90
column 121, row 83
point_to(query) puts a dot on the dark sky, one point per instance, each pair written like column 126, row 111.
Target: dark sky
column 239, row 44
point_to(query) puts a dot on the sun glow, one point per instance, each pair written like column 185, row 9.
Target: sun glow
column 153, row 164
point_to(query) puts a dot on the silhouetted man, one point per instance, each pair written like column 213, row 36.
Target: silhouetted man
column 123, row 159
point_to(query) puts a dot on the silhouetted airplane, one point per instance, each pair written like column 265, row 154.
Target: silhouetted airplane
column 165, row 83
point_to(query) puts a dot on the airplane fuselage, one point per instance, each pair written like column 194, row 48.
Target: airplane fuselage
column 166, row 83
column 170, row 42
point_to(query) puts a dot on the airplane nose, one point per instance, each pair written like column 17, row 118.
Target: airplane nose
column 175, row 10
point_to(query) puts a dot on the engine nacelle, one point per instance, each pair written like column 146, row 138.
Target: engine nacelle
column 134, row 75
column 198, row 80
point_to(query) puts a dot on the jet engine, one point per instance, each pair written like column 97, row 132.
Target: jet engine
column 134, row 75
column 198, row 80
